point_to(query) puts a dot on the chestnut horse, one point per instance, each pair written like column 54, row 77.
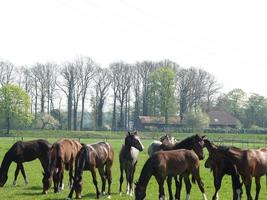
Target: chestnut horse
column 90, row 157
column 62, row 155
column 221, row 166
column 195, row 143
column 128, row 159
column 249, row 163
column 21, row 152
column 156, row 145
column 170, row 163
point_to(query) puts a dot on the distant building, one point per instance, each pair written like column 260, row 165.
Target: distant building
column 218, row 119
column 222, row 119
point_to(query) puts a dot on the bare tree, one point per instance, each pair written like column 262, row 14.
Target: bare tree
column 115, row 71
column 87, row 72
column 67, row 86
column 6, row 72
column 102, row 81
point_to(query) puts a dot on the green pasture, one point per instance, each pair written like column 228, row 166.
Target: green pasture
column 34, row 188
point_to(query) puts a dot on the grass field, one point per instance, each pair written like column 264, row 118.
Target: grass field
column 34, row 188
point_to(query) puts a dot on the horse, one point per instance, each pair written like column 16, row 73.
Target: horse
column 195, row 143
column 21, row 152
column 249, row 163
column 128, row 159
column 90, row 157
column 221, row 166
column 170, row 163
column 62, row 155
column 155, row 145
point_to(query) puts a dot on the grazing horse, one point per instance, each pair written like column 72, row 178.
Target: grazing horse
column 21, row 152
column 195, row 143
column 156, row 145
column 249, row 163
column 170, row 163
column 90, row 157
column 62, row 155
column 221, row 166
column 128, row 159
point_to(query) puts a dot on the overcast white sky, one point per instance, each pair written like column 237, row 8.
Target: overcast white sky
column 226, row 38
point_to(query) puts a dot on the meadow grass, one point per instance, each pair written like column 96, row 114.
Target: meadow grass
column 34, row 171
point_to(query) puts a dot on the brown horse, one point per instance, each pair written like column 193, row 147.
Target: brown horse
column 62, row 155
column 249, row 163
column 170, row 163
column 195, row 143
column 21, row 152
column 221, row 166
column 91, row 157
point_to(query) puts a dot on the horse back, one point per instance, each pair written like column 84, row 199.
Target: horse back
column 104, row 153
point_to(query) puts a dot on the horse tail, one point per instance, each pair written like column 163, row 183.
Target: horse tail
column 266, row 180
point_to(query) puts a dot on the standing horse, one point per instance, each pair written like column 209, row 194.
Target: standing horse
column 221, row 166
column 156, row 145
column 90, row 157
column 128, row 159
column 195, row 143
column 21, row 152
column 170, row 163
column 249, row 163
column 62, row 155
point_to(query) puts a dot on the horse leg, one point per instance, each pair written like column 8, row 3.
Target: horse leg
column 70, row 175
column 16, row 175
column 169, row 182
column 131, row 180
column 56, row 181
column 178, row 189
column 258, row 186
column 93, row 172
column 61, row 176
column 24, row 174
column 108, row 174
column 217, row 184
column 236, row 186
column 188, row 186
column 248, row 189
column 160, row 181
column 103, row 179
column 121, row 178
column 128, row 180
column 199, row 182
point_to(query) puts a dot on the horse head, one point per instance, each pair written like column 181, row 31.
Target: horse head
column 3, row 177
column 133, row 140
column 139, row 191
column 47, row 181
column 77, row 186
column 198, row 145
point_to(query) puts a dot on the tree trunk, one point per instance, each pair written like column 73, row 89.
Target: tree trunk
column 82, row 114
column 8, row 125
column 36, row 102
column 100, row 114
column 69, row 110
column 42, row 102
column 114, row 121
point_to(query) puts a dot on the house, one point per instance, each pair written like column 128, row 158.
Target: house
column 218, row 119
column 148, row 122
column 222, row 119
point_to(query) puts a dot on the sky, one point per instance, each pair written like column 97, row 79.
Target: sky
column 226, row 38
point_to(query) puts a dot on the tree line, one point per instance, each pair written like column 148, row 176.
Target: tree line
column 61, row 94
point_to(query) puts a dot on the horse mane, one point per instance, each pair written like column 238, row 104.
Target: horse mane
column 81, row 160
column 146, row 173
column 185, row 143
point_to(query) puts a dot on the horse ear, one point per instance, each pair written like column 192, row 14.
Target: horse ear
column 203, row 136
column 129, row 133
column 135, row 133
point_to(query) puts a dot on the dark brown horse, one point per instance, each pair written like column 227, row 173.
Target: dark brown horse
column 221, row 166
column 91, row 157
column 21, row 152
column 128, row 159
column 249, row 163
column 170, row 163
column 195, row 143
column 62, row 155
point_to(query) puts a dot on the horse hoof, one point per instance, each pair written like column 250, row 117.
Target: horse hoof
column 109, row 197
column 14, row 183
column 103, row 193
column 120, row 193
